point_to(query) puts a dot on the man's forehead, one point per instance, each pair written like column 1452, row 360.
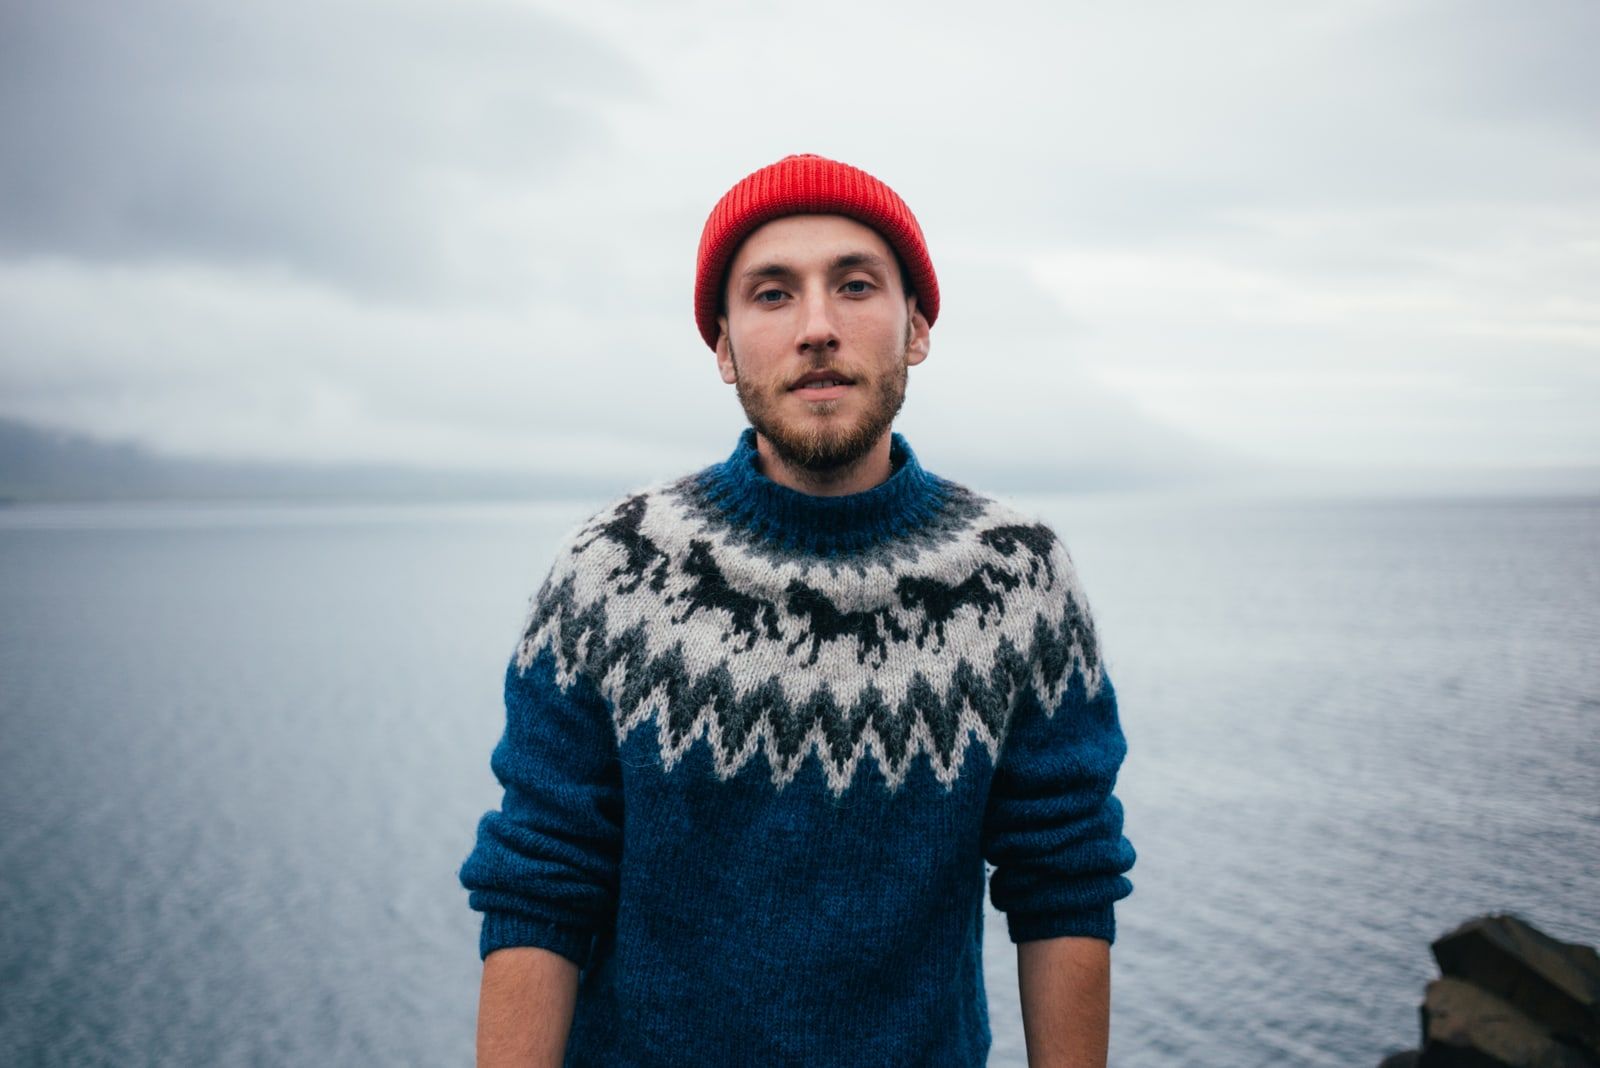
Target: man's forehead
column 800, row 237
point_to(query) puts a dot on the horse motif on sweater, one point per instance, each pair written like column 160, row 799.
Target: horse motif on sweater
column 680, row 624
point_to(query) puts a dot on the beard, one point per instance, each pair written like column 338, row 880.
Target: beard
column 822, row 445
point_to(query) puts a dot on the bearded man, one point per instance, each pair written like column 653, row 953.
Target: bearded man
column 770, row 724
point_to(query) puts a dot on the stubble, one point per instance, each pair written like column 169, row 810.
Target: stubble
column 818, row 444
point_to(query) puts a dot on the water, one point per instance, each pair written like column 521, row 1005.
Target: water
column 244, row 750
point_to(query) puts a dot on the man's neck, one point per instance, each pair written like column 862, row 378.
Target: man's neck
column 871, row 470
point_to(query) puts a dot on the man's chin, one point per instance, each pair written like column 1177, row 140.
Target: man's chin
column 819, row 438
column 819, row 454
column 827, row 463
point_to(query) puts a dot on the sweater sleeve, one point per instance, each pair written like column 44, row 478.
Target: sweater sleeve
column 1053, row 829
column 544, row 869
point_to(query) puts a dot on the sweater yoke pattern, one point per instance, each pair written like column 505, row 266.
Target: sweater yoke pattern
column 695, row 613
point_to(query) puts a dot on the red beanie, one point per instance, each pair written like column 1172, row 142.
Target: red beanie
column 806, row 185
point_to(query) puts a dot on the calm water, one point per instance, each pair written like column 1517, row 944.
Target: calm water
column 244, row 751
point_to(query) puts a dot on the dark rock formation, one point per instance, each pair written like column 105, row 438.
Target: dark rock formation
column 1557, row 983
column 1511, row 997
column 1464, row 1026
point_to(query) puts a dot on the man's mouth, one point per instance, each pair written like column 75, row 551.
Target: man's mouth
column 820, row 381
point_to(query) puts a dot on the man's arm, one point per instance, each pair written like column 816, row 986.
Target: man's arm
column 544, row 869
column 1053, row 831
column 1065, row 985
column 525, row 1008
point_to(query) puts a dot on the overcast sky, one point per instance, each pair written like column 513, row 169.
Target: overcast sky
column 1172, row 238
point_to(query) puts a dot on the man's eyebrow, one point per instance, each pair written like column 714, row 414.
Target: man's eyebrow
column 859, row 259
column 767, row 270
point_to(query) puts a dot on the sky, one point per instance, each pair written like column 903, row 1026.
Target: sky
column 1353, row 242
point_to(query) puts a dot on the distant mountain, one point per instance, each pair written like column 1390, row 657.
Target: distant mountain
column 37, row 464
column 51, row 465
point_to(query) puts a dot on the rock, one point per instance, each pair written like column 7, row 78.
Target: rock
column 1404, row 1059
column 1465, row 1027
column 1556, row 983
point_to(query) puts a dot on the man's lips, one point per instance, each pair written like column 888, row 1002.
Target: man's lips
column 820, row 393
column 821, row 385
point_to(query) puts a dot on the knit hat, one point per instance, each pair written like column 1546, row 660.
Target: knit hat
column 806, row 185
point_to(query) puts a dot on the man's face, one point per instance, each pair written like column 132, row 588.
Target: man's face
column 811, row 297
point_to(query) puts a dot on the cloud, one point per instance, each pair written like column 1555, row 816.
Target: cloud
column 1172, row 238
column 1364, row 337
column 203, row 362
column 346, row 141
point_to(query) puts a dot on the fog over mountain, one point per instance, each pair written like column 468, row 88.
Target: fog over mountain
column 45, row 465
column 54, row 465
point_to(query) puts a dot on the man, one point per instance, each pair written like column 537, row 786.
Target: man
column 767, row 721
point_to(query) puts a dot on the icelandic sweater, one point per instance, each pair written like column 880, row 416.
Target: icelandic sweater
column 759, row 747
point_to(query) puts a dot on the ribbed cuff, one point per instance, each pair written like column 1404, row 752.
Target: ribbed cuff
column 1087, row 923
column 503, row 930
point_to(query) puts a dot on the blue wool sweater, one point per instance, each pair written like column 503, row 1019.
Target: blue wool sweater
column 758, row 747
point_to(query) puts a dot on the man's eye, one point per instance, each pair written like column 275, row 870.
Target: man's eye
column 775, row 295
column 857, row 285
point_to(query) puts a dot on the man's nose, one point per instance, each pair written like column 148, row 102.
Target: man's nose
column 817, row 331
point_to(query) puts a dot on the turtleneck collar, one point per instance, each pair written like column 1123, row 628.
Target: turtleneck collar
column 908, row 498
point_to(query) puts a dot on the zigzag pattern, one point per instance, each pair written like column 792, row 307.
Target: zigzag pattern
column 941, row 657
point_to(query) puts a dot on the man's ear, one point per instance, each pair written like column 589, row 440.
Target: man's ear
column 730, row 374
column 917, row 343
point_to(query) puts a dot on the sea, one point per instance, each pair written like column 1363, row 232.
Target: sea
column 244, row 747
